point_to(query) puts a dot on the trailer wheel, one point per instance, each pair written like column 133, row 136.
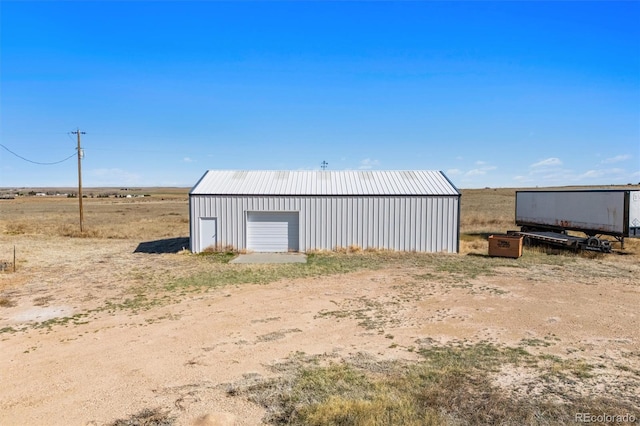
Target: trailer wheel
column 593, row 242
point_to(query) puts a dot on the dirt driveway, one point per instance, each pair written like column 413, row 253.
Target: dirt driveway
column 76, row 349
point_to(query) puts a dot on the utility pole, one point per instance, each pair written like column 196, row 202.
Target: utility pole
column 78, row 132
column 324, row 165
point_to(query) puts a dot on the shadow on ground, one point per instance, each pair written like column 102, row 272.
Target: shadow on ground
column 478, row 255
column 169, row 245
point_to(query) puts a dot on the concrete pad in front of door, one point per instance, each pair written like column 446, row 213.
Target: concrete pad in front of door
column 270, row 258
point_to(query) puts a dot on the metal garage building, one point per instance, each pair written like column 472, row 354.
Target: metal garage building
column 279, row 211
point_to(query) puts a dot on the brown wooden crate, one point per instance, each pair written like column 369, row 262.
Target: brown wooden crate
column 505, row 246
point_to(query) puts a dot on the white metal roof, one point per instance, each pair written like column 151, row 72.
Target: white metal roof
column 325, row 182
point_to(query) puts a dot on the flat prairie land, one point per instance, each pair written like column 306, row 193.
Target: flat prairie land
column 121, row 325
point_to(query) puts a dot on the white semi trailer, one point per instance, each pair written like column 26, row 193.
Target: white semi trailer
column 548, row 215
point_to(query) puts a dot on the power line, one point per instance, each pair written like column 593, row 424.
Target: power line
column 37, row 162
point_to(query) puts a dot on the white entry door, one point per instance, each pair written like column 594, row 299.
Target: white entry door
column 208, row 233
column 272, row 231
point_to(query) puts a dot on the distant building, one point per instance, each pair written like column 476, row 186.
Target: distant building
column 279, row 211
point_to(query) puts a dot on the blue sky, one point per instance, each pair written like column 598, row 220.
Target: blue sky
column 499, row 94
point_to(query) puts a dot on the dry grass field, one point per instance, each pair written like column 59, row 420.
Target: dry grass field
column 119, row 325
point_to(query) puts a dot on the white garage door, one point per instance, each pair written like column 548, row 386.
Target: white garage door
column 272, row 231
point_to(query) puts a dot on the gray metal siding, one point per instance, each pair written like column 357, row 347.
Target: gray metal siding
column 404, row 223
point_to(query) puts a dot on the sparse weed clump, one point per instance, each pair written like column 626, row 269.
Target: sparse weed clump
column 219, row 255
column 6, row 302
column 228, row 249
column 452, row 385
column 147, row 417
column 16, row 228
